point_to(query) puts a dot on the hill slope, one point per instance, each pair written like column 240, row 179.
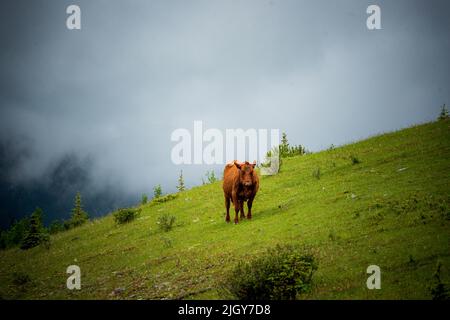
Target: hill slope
column 391, row 209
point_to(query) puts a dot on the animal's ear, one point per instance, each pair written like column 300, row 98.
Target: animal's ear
column 254, row 164
column 237, row 165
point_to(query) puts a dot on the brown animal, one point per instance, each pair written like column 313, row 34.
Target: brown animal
column 240, row 184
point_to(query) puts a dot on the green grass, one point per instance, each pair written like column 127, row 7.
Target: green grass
column 389, row 208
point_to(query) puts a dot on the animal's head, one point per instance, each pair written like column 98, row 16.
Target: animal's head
column 246, row 172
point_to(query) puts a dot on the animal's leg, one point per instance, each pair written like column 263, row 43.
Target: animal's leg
column 249, row 205
column 227, row 206
column 236, row 208
column 241, row 208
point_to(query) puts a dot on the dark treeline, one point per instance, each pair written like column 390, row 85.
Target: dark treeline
column 54, row 188
column 30, row 231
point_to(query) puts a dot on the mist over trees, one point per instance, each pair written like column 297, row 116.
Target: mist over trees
column 53, row 190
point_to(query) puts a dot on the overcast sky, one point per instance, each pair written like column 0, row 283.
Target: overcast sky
column 108, row 96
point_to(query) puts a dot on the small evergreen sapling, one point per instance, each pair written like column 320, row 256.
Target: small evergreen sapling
column 443, row 115
column 79, row 216
column 210, row 176
column 181, row 186
column 36, row 233
column 157, row 191
column 144, row 199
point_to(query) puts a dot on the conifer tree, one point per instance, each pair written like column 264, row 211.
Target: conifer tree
column 210, row 176
column 284, row 146
column 157, row 191
column 144, row 199
column 35, row 233
column 444, row 113
column 79, row 216
column 181, row 186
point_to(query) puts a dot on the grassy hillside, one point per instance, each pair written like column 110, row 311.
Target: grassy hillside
column 392, row 209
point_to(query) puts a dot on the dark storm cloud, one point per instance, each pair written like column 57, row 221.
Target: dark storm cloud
column 114, row 91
